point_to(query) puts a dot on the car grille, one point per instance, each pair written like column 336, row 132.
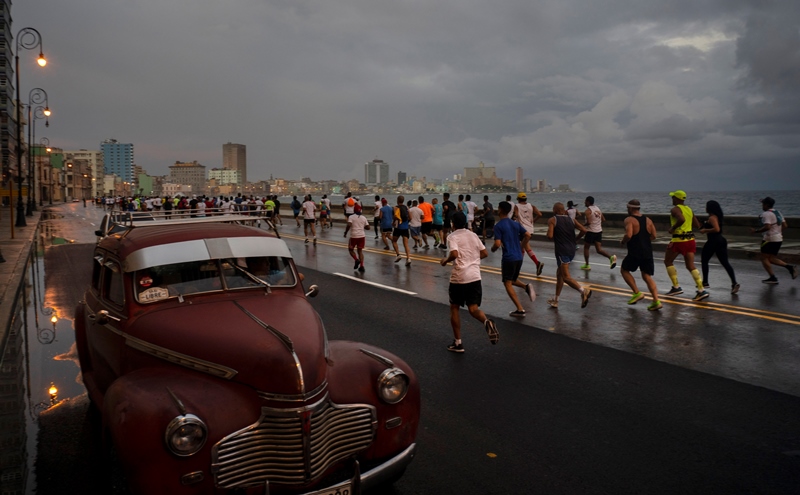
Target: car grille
column 292, row 446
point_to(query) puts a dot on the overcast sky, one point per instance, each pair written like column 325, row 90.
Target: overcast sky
column 606, row 95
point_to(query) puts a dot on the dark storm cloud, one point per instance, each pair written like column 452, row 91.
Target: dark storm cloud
column 600, row 94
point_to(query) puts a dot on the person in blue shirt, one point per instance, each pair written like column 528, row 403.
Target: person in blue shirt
column 401, row 229
column 386, row 219
column 438, row 221
column 513, row 238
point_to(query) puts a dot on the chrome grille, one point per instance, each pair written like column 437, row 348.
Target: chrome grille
column 276, row 448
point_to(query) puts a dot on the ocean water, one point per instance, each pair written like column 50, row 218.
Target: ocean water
column 732, row 202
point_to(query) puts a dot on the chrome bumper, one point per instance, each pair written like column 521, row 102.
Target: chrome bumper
column 377, row 475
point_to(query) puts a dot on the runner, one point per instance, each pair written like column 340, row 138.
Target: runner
column 357, row 225
column 715, row 244
column 348, row 204
column 386, row 215
column 594, row 234
column 277, row 214
column 466, row 251
column 309, row 218
column 572, row 212
column 639, row 232
column 488, row 218
column 561, row 230
column 427, row 220
column 438, row 221
column 526, row 214
column 327, row 201
column 376, row 216
column 772, row 225
column 681, row 221
column 415, row 215
column 449, row 209
column 513, row 238
column 471, row 207
column 296, row 206
column 323, row 214
column 400, row 216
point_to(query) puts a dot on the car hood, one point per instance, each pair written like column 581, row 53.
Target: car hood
column 275, row 343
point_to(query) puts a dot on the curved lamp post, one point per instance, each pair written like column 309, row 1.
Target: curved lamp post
column 46, row 143
column 27, row 38
column 35, row 97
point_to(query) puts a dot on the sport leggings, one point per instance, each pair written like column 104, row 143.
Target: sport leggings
column 716, row 245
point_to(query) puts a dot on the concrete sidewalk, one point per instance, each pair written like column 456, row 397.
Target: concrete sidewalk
column 15, row 251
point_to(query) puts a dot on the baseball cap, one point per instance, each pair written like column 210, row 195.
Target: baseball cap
column 383, row 201
column 522, row 195
column 678, row 194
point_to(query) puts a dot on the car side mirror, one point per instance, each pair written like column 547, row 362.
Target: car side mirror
column 312, row 291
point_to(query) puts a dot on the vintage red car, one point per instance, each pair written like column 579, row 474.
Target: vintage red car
column 213, row 373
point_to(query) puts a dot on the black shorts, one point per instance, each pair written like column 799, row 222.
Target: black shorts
column 488, row 223
column 387, row 230
column 427, row 227
column 446, row 223
column 770, row 247
column 633, row 263
column 400, row 233
column 510, row 270
column 465, row 294
column 309, row 221
column 592, row 237
column 437, row 227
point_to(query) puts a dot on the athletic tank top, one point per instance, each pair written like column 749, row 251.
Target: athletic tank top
column 639, row 245
column 713, row 236
column 525, row 217
column 594, row 221
column 564, row 236
column 683, row 232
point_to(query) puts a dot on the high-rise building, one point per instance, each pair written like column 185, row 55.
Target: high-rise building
column 520, row 182
column 401, row 178
column 189, row 173
column 118, row 159
column 481, row 171
column 8, row 122
column 376, row 172
column 95, row 160
column 234, row 157
column 541, row 185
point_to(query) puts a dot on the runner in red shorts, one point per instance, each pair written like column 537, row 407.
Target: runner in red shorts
column 682, row 220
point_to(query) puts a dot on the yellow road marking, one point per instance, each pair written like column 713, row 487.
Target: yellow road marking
column 708, row 305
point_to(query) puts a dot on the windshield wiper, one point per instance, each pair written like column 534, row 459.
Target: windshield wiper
column 253, row 278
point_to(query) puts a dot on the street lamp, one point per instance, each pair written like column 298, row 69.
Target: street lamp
column 27, row 38
column 35, row 97
column 46, row 143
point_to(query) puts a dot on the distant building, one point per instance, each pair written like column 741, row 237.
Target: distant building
column 482, row 176
column 401, row 178
column 376, row 172
column 527, row 185
column 97, row 166
column 225, row 176
column 234, row 157
column 520, row 182
column 118, row 159
column 189, row 173
column 563, row 188
column 541, row 185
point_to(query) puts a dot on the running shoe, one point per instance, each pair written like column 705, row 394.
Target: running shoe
column 408, row 262
column 613, row 260
column 491, row 330
column 386, row 248
column 701, row 294
column 675, row 291
column 315, row 241
column 587, row 293
column 398, row 259
column 586, row 267
column 455, row 347
column 793, row 270
column 706, row 285
column 517, row 313
column 356, row 265
column 636, row 298
column 361, row 268
column 553, row 303
column 654, row 306
column 306, row 240
column 735, row 288
column 772, row 280
column 531, row 293
column 539, row 268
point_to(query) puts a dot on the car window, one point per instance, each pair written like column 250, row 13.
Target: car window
column 113, row 288
column 194, row 277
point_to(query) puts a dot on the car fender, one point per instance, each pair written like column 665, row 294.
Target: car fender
column 353, row 378
column 138, row 408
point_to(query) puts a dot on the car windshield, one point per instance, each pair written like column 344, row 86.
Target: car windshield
column 180, row 279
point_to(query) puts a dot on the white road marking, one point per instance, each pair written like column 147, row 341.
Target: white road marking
column 387, row 287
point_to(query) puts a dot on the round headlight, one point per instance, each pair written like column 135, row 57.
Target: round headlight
column 186, row 435
column 392, row 385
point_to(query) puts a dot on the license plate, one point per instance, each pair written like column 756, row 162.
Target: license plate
column 341, row 489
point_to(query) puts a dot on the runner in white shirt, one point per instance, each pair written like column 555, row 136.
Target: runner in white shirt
column 376, row 215
column 415, row 215
column 309, row 218
column 148, row 203
column 471, row 206
column 526, row 214
column 259, row 204
column 466, row 251
column 594, row 234
column 772, row 225
column 157, row 203
column 357, row 225
column 201, row 207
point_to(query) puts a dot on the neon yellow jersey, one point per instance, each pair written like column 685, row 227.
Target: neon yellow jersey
column 683, row 232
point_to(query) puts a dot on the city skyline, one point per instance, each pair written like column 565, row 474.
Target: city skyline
column 623, row 95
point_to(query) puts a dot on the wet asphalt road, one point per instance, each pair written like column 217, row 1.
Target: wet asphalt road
column 604, row 400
